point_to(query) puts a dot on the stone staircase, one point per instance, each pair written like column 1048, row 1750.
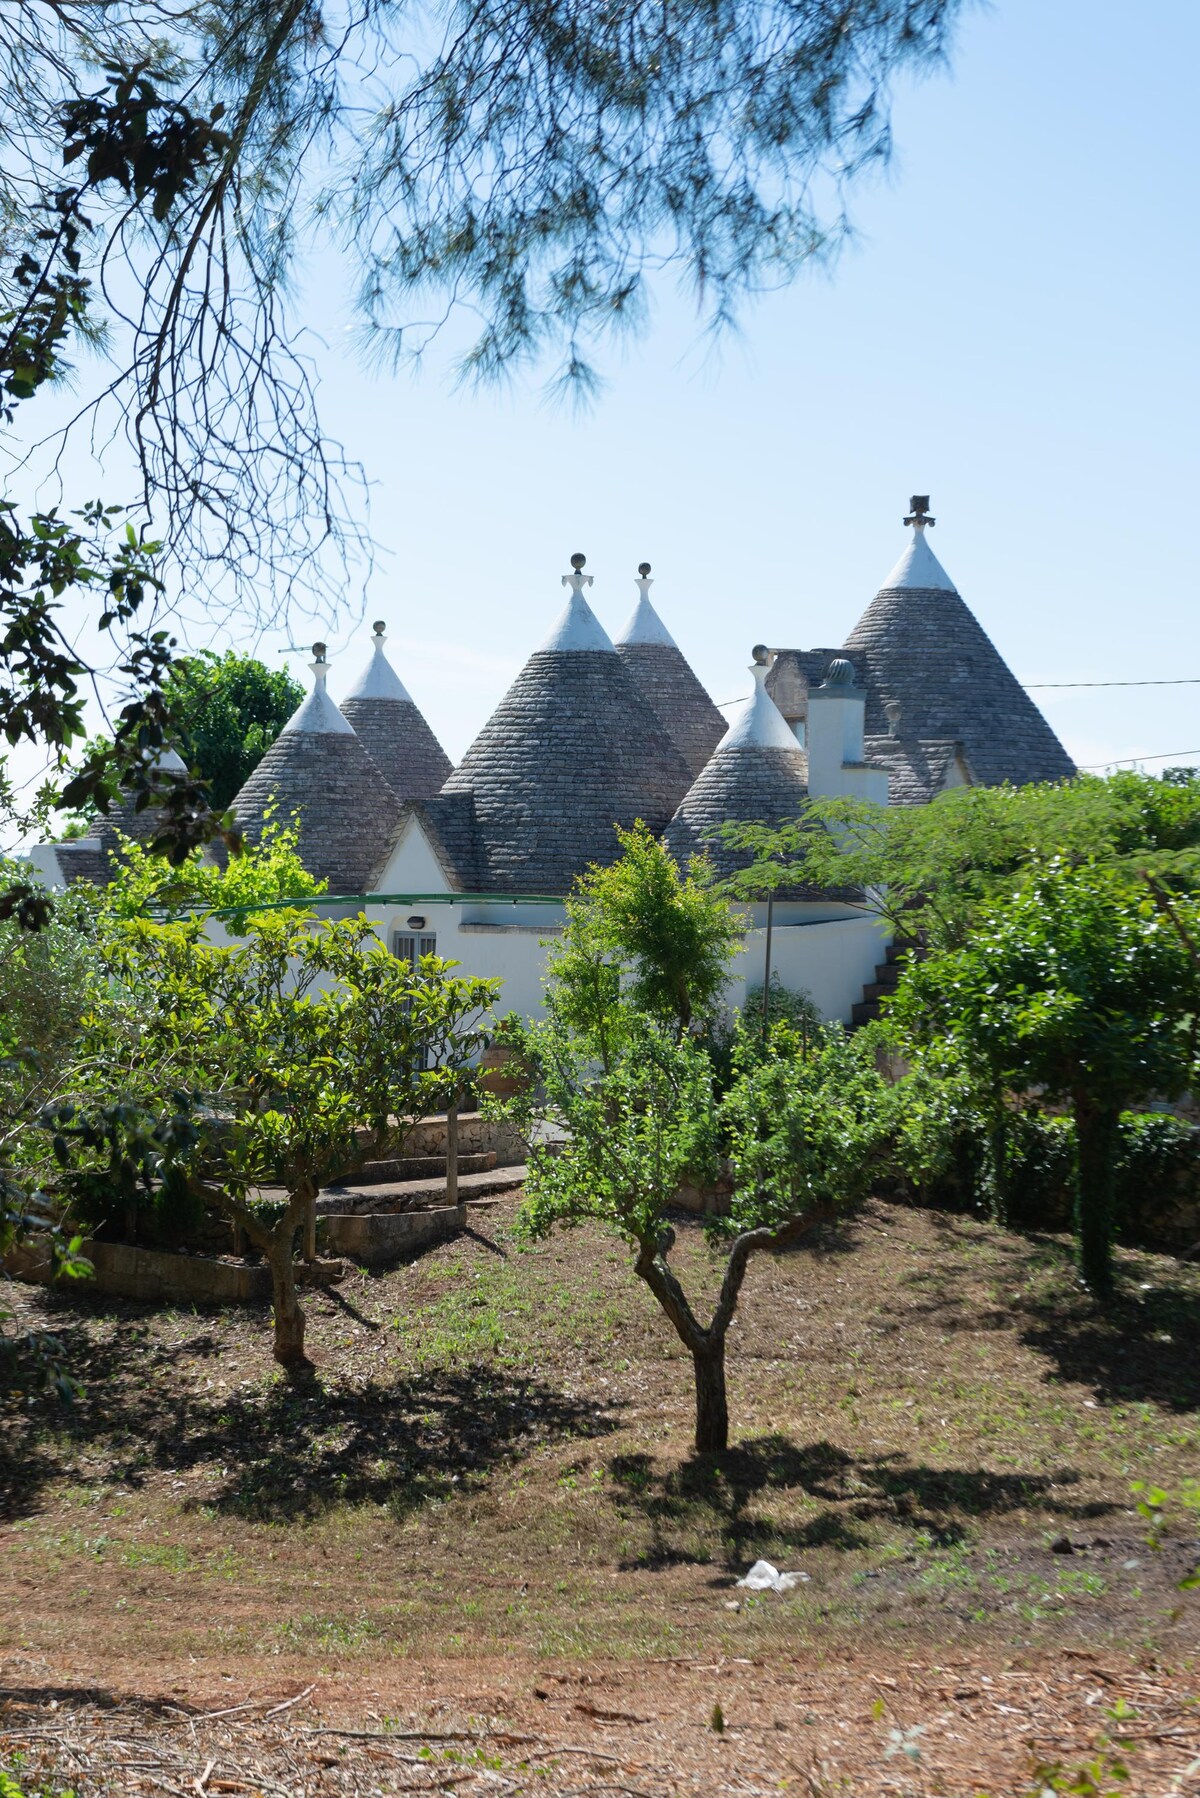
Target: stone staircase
column 490, row 1162
column 887, row 979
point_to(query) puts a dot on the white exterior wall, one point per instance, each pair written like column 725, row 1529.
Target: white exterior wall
column 830, row 959
column 834, row 743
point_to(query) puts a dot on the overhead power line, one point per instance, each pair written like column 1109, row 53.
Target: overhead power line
column 1040, row 686
column 1168, row 755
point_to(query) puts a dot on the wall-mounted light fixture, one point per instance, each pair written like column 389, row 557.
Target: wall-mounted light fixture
column 415, row 923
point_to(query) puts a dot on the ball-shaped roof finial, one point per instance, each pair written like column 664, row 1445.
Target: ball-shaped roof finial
column 760, row 652
column 319, row 652
column 643, row 569
column 578, row 560
column 379, row 627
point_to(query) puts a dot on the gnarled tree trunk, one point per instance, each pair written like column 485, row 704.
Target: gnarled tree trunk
column 707, row 1346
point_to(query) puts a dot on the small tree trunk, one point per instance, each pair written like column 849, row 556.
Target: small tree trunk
column 712, row 1408
column 452, row 1154
column 1096, row 1127
column 998, row 1150
column 289, row 1313
column 310, row 1227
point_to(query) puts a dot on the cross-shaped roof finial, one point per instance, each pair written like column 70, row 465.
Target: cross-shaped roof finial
column 577, row 580
column 919, row 516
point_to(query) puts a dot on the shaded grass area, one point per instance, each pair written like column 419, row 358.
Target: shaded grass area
column 931, row 1421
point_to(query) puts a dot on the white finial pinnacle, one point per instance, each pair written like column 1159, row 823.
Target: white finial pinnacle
column 318, row 714
column 577, row 580
column 643, row 583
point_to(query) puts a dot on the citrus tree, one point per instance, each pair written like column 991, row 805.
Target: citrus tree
column 1078, row 986
column 794, row 1136
column 248, row 1076
column 626, row 1078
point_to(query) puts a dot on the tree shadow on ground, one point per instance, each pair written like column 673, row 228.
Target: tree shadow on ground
column 284, row 1451
column 1140, row 1346
column 855, row 1491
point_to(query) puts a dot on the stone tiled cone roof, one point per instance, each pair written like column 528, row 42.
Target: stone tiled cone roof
column 664, row 677
column 347, row 813
column 571, row 750
column 84, row 859
column 917, row 771
column 920, row 647
column 749, row 785
column 400, row 743
column 393, row 730
column 448, row 820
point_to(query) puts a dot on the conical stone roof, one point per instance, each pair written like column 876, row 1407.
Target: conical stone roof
column 932, row 674
column 319, row 772
column 392, row 729
column 664, row 677
column 124, row 820
column 757, row 775
column 571, row 751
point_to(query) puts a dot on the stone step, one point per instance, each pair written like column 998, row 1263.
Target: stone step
column 420, row 1167
column 416, row 1195
column 864, row 1011
column 887, row 973
column 476, row 1135
column 899, row 950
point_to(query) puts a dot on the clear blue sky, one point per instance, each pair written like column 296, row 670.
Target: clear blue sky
column 1014, row 333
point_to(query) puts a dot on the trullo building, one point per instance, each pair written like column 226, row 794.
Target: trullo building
column 476, row 861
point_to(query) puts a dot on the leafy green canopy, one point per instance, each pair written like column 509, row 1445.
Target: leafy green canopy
column 1076, row 977
column 627, row 1103
column 1080, row 985
column 228, row 710
column 246, row 1077
column 640, row 937
column 266, row 873
column 930, row 867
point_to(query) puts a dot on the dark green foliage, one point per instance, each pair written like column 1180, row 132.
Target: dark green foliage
column 1079, row 986
column 931, row 867
column 949, row 1165
column 227, row 711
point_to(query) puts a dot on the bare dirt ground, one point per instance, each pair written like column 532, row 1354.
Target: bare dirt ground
column 478, row 1538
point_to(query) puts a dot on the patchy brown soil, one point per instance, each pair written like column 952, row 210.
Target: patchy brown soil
column 483, row 1509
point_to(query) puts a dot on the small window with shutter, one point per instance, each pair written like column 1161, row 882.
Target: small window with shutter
column 410, row 948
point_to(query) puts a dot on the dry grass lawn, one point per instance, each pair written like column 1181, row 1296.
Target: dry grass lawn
column 484, row 1507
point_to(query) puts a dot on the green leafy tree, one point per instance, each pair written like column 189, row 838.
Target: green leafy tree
column 641, row 928
column 622, row 1070
column 247, row 1077
column 929, row 868
column 796, row 1134
column 1075, row 984
column 228, row 710
column 266, row 873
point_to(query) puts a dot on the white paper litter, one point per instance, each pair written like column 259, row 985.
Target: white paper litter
column 762, row 1577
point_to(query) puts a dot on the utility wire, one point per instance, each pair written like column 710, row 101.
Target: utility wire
column 1039, row 686
column 1132, row 760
